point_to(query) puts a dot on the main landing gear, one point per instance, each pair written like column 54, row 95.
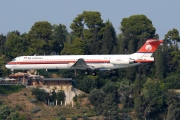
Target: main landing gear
column 92, row 73
column 12, row 71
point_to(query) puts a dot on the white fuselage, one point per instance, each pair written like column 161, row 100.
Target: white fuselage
column 102, row 62
column 93, row 62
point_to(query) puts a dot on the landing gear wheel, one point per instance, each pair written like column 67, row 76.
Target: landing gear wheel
column 86, row 72
column 12, row 71
column 94, row 73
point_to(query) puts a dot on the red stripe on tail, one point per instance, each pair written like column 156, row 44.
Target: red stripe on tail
column 150, row 46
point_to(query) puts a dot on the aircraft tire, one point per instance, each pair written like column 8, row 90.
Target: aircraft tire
column 94, row 73
column 86, row 72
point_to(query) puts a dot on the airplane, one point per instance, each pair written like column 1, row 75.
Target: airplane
column 89, row 63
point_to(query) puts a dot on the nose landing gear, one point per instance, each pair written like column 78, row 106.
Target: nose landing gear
column 92, row 73
column 12, row 71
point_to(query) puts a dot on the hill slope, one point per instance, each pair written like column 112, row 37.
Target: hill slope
column 22, row 101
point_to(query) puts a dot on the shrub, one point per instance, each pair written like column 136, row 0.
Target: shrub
column 8, row 89
column 75, row 98
column 7, row 113
column 33, row 101
column 19, row 108
column 74, row 118
column 61, row 96
column 62, row 118
column 35, row 110
column 40, row 94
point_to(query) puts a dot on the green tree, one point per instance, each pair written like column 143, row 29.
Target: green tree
column 154, row 97
column 77, row 26
column 105, row 104
column 95, row 44
column 44, row 73
column 172, row 81
column 110, row 107
column 139, row 102
column 139, row 107
column 125, row 92
column 175, row 55
column 14, row 45
column 2, row 42
column 170, row 52
column 60, row 96
column 138, row 84
column 166, row 59
column 122, row 44
column 87, row 83
column 40, row 94
column 53, row 96
column 96, row 97
column 7, row 113
column 92, row 19
column 78, row 47
column 36, row 49
column 109, row 40
column 111, row 88
column 137, row 27
column 66, row 73
column 173, row 106
column 3, row 70
column 60, row 36
column 40, row 32
column 159, row 63
column 173, row 35
column 87, row 26
column 130, row 72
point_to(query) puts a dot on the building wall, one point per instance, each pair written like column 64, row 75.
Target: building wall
column 50, row 85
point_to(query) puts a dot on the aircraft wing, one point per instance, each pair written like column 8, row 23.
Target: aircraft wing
column 81, row 64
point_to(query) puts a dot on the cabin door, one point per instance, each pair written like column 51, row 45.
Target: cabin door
column 105, row 59
column 17, row 61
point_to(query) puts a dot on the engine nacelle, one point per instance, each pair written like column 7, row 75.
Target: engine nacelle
column 121, row 61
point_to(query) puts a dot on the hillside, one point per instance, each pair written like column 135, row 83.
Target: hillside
column 22, row 101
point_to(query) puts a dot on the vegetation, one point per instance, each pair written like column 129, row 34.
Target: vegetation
column 7, row 113
column 145, row 91
column 8, row 89
column 21, row 102
column 42, row 95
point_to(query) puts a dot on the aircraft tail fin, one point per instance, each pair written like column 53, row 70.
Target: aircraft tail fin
column 145, row 52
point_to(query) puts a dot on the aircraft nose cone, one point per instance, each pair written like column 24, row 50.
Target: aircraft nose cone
column 7, row 66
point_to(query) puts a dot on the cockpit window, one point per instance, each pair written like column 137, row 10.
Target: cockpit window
column 14, row 60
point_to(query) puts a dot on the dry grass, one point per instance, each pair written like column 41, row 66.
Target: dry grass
column 21, row 101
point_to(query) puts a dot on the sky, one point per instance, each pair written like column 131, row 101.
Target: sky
column 22, row 14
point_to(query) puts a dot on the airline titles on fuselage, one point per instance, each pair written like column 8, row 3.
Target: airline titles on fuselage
column 33, row 57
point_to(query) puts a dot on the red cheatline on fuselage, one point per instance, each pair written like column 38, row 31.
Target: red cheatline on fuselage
column 55, row 62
